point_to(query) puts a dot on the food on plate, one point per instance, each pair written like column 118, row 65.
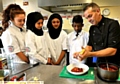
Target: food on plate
column 77, row 69
column 82, row 51
column 110, row 67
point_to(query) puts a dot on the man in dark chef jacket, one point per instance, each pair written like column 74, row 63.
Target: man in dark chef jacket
column 104, row 39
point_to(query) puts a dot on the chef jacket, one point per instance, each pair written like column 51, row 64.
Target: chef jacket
column 13, row 40
column 106, row 34
column 75, row 44
column 56, row 46
column 37, row 46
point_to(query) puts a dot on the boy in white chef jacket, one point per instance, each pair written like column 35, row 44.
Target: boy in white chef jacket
column 76, row 39
column 35, row 39
column 13, row 36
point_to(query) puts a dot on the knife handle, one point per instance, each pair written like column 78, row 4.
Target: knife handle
column 20, row 77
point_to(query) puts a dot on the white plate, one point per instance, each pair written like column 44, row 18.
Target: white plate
column 71, row 66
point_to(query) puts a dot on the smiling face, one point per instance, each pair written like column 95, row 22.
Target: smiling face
column 19, row 20
column 93, row 15
column 39, row 24
column 56, row 23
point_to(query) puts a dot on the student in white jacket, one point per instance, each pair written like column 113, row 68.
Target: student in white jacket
column 35, row 38
column 77, row 39
column 56, row 40
column 13, row 36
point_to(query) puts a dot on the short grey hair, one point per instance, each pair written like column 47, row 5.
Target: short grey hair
column 94, row 6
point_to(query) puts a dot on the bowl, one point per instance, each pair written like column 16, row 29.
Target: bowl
column 83, row 66
column 110, row 73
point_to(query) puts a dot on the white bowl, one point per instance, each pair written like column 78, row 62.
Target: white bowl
column 71, row 66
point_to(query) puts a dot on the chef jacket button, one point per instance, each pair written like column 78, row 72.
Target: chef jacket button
column 102, row 44
column 95, row 48
column 114, row 41
column 102, row 23
column 93, row 34
column 94, row 31
column 95, row 43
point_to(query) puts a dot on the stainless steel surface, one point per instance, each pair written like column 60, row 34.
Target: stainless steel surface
column 50, row 75
column 98, row 80
column 63, row 5
column 108, row 74
column 18, row 68
column 73, row 5
column 107, row 66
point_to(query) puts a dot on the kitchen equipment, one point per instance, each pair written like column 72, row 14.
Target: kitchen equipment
column 107, row 64
column 4, row 74
column 21, row 77
column 108, row 75
column 63, row 5
column 83, row 66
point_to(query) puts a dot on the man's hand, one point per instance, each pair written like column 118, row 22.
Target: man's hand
column 78, row 55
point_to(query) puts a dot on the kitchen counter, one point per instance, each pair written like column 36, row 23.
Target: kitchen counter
column 50, row 75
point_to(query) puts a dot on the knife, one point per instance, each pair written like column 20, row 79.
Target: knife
column 20, row 77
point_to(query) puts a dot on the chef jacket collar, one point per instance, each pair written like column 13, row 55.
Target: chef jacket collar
column 20, row 29
column 101, row 22
column 79, row 34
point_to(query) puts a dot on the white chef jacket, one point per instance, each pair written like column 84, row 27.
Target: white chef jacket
column 75, row 44
column 14, row 41
column 57, row 45
column 37, row 46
